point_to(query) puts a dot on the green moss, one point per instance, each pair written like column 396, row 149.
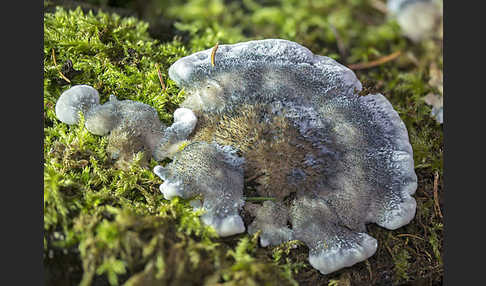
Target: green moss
column 113, row 54
column 116, row 220
column 402, row 265
column 248, row 270
column 113, row 225
column 281, row 256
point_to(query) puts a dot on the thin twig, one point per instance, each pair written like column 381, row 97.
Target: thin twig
column 160, row 77
column 213, row 53
column 436, row 195
column 64, row 77
column 409, row 235
column 54, row 57
column 55, row 64
column 376, row 62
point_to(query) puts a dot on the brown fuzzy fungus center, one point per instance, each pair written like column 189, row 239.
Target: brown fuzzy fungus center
column 274, row 154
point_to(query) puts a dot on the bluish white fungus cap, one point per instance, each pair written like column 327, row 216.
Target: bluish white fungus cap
column 79, row 98
column 175, row 135
column 275, row 236
column 171, row 189
column 401, row 215
column 437, row 103
column 334, row 259
column 230, row 156
column 438, row 114
column 226, row 226
column 206, row 170
column 417, row 18
column 264, row 242
column 130, row 126
column 184, row 121
column 196, row 204
column 101, row 119
column 358, row 143
column 271, row 219
column 213, row 88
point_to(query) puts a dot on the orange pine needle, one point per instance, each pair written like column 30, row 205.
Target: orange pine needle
column 64, row 77
column 376, row 62
column 160, row 77
column 213, row 53
column 55, row 64
column 54, row 57
column 409, row 235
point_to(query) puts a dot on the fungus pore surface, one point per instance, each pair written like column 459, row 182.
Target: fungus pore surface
column 277, row 122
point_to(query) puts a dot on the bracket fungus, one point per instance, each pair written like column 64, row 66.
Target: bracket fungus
column 131, row 126
column 332, row 161
column 216, row 173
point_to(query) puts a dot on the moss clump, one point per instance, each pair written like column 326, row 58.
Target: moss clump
column 116, row 241
column 402, row 264
column 113, row 54
column 109, row 226
column 249, row 270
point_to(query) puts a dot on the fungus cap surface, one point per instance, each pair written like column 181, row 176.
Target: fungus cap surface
column 332, row 160
column 130, row 126
column 79, row 98
column 213, row 172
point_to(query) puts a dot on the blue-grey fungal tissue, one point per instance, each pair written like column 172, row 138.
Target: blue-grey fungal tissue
column 131, row 126
column 277, row 122
column 418, row 19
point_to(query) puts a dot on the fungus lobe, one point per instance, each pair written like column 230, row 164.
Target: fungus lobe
column 332, row 161
column 131, row 126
